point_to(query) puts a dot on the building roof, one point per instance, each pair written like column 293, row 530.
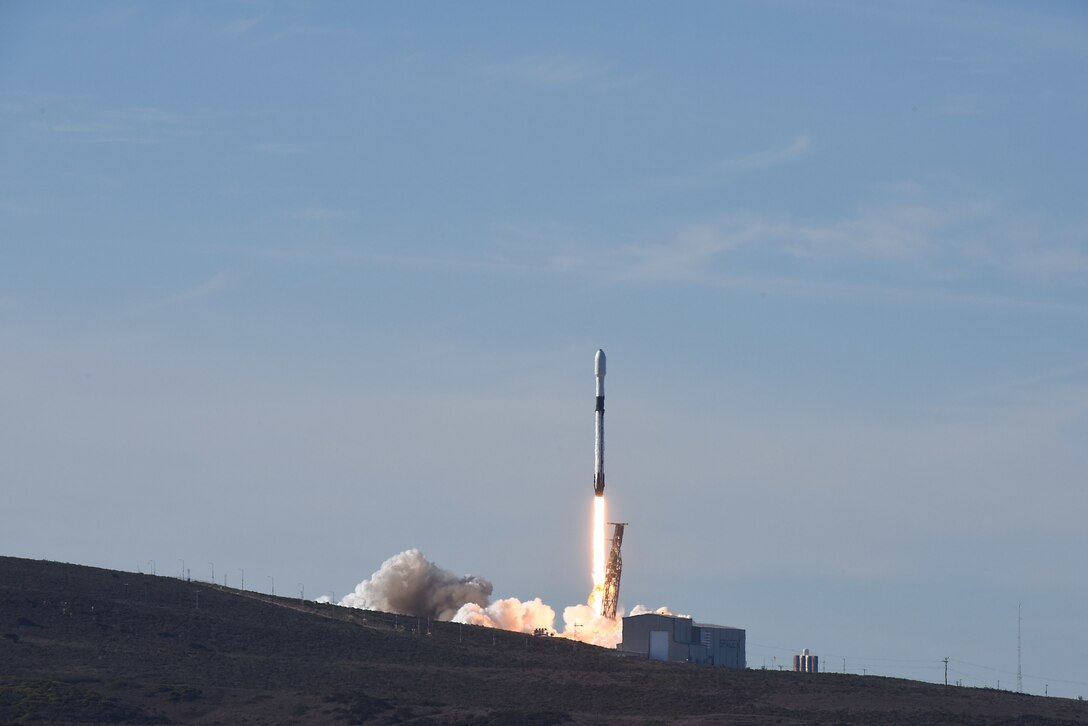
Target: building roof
column 687, row 617
column 719, row 627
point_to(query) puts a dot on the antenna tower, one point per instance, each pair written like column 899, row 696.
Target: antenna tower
column 1019, row 673
column 612, row 572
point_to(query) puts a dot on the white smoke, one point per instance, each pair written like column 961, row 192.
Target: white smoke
column 509, row 614
column 410, row 584
column 643, row 610
column 580, row 622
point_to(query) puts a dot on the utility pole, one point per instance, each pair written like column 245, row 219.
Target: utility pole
column 1019, row 673
column 946, row 670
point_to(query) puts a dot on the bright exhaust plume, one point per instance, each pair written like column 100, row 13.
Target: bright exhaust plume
column 596, row 597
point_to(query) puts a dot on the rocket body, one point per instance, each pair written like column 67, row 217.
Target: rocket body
column 598, row 448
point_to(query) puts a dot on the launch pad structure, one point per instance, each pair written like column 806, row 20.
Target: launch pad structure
column 612, row 573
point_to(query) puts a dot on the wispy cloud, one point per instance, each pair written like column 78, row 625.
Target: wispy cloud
column 118, row 15
column 831, row 289
column 1061, row 379
column 959, row 106
column 908, row 251
column 322, row 214
column 213, row 285
column 1050, row 263
column 729, row 168
column 293, row 32
column 543, row 246
column 128, row 125
column 216, row 283
column 892, row 232
column 280, row 148
column 279, row 254
column 558, row 70
column 897, row 232
column 239, row 26
column 96, row 133
column 1033, row 248
column 493, row 262
column 144, row 115
column 694, row 246
column 262, row 25
column 771, row 157
column 1033, row 27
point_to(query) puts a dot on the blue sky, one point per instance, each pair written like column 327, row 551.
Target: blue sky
column 291, row 287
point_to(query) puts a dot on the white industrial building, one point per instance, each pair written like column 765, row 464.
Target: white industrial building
column 677, row 638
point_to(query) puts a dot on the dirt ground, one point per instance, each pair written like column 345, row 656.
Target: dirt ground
column 81, row 645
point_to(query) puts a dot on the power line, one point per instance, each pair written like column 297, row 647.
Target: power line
column 852, row 657
column 928, row 663
column 1028, row 675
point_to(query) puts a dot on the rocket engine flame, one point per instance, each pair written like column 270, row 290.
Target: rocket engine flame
column 408, row 583
column 596, row 597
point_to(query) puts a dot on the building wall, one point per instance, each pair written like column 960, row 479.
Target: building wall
column 687, row 642
column 636, row 634
column 721, row 646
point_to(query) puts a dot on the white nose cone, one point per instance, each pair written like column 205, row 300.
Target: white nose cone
column 599, row 363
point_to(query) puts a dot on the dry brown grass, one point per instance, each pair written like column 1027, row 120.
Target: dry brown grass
column 85, row 645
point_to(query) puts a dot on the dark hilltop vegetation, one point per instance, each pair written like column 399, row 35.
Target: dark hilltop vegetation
column 81, row 645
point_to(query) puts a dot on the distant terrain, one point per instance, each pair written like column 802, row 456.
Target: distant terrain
column 81, row 645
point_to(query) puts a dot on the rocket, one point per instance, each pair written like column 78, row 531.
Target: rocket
column 598, row 447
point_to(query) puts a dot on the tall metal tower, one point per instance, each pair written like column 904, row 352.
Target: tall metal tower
column 1019, row 673
column 612, row 572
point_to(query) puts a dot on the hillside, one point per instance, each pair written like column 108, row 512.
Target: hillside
column 87, row 645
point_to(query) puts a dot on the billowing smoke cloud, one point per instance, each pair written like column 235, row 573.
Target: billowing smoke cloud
column 580, row 622
column 410, row 584
column 643, row 610
column 509, row 614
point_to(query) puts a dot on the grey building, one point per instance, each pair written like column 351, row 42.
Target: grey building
column 676, row 638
